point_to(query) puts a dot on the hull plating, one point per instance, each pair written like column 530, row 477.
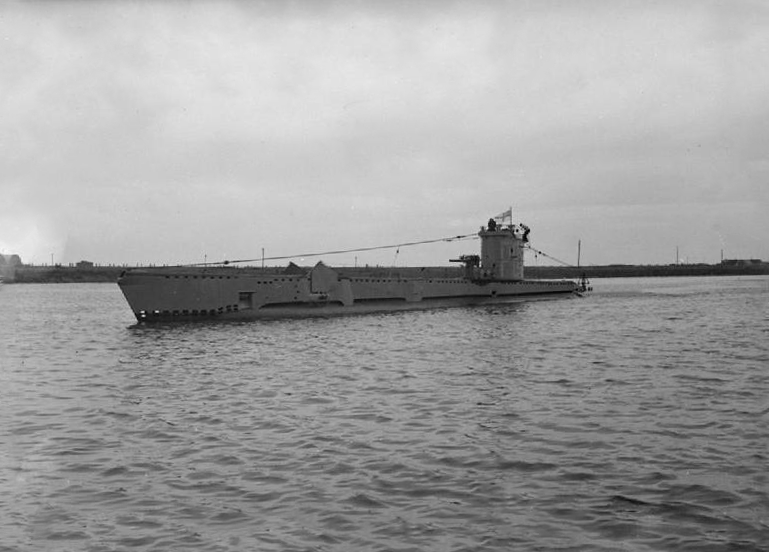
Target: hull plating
column 157, row 295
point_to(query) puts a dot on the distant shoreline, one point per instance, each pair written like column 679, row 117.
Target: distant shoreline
column 66, row 274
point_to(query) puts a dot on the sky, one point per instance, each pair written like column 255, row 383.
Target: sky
column 137, row 132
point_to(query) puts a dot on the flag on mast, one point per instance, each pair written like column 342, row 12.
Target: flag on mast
column 504, row 216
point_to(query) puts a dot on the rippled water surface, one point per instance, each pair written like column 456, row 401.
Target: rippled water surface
column 634, row 419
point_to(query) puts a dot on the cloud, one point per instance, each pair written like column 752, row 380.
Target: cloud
column 156, row 130
column 32, row 237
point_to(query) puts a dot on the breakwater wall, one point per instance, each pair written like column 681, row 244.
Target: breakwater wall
column 28, row 274
column 636, row 271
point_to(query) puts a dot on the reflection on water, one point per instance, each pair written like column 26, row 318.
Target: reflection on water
column 635, row 419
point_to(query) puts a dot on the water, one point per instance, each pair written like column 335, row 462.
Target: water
column 635, row 419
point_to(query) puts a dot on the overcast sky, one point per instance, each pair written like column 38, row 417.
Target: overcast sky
column 173, row 132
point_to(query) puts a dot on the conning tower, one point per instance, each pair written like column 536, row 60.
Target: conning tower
column 502, row 250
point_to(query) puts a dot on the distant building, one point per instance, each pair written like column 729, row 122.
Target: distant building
column 741, row 262
column 8, row 264
column 84, row 264
column 9, row 260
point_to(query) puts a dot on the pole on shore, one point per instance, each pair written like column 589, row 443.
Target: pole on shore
column 579, row 251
